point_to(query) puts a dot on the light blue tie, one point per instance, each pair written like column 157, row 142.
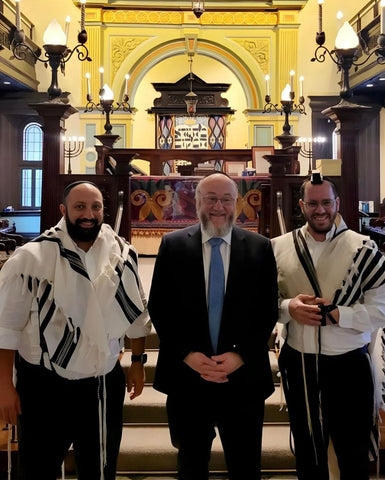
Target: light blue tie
column 216, row 290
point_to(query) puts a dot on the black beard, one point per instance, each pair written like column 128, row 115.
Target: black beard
column 81, row 234
column 326, row 229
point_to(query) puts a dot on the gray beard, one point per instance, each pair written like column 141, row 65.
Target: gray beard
column 213, row 231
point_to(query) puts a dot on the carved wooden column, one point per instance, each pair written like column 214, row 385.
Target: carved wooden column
column 53, row 114
column 107, row 142
column 350, row 119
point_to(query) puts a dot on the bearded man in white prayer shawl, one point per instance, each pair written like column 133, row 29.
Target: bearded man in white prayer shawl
column 67, row 300
column 332, row 302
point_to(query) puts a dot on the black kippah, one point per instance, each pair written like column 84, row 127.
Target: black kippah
column 72, row 185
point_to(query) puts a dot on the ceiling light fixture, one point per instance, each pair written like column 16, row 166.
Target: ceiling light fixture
column 191, row 98
column 198, row 8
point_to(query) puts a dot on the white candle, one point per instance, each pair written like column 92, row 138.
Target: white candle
column 88, row 76
column 101, row 70
column 339, row 19
column 127, row 76
column 67, row 28
column 301, row 79
column 267, row 78
column 18, row 22
column 292, row 80
column 382, row 30
column 82, row 14
column 320, row 2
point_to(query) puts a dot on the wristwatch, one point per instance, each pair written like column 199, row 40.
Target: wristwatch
column 142, row 358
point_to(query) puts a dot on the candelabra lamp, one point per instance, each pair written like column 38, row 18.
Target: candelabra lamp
column 344, row 55
column 106, row 106
column 57, row 53
column 73, row 147
column 287, row 108
column 306, row 149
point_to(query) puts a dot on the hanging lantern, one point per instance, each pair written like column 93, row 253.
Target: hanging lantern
column 191, row 100
column 198, row 8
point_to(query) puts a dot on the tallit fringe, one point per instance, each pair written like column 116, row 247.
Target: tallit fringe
column 102, row 424
column 9, row 451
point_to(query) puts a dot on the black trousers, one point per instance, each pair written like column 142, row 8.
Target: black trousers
column 57, row 413
column 340, row 398
column 238, row 415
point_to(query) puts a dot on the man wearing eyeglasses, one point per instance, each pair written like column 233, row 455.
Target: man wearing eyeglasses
column 213, row 360
column 331, row 282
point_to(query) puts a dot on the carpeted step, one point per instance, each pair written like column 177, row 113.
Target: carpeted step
column 150, row 408
column 153, row 355
column 152, row 340
column 148, row 450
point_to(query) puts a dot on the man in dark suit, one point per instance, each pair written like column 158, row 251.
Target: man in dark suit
column 213, row 379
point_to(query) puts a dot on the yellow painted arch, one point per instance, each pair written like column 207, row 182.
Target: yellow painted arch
column 247, row 79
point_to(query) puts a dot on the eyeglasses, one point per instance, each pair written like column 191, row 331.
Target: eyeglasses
column 328, row 203
column 226, row 201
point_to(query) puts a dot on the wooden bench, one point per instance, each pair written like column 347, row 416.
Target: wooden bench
column 9, row 240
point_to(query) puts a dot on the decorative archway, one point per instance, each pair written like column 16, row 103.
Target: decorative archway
column 251, row 80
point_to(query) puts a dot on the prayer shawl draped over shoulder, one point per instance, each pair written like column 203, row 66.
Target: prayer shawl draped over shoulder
column 349, row 266
column 77, row 317
column 349, row 271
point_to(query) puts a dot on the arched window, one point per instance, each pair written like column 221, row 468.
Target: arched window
column 31, row 173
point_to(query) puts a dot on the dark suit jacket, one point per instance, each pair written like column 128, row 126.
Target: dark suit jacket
column 178, row 309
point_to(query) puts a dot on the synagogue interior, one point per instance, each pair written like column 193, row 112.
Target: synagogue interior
column 144, row 97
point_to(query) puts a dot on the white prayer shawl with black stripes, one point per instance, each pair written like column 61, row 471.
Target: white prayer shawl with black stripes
column 77, row 318
column 349, row 268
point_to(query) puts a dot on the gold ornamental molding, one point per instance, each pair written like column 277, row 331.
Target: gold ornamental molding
column 121, row 47
column 178, row 18
column 239, row 18
column 259, row 49
column 142, row 16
